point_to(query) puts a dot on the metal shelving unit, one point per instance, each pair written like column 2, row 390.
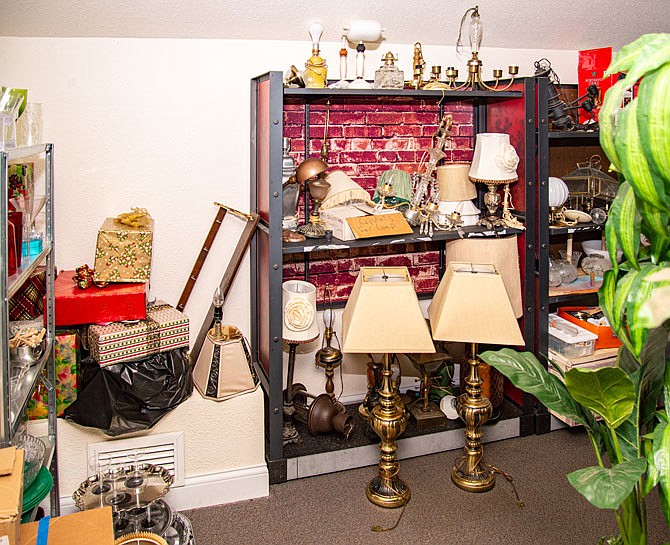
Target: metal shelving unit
column 512, row 110
column 548, row 141
column 12, row 407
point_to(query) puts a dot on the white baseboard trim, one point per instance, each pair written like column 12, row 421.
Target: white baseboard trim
column 211, row 489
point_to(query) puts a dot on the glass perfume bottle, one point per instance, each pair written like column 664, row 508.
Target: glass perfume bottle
column 316, row 71
column 388, row 75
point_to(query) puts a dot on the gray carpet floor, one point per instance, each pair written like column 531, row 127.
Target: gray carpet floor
column 333, row 509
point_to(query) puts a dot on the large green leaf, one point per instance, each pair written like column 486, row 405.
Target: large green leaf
column 641, row 56
column 607, row 488
column 526, row 373
column 661, row 462
column 653, row 373
column 654, row 122
column 606, row 298
column 634, row 161
column 639, row 293
column 607, row 391
column 656, row 227
column 656, row 309
column 617, row 312
column 626, row 222
column 607, row 120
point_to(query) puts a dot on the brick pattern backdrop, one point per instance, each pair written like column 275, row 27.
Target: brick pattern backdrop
column 366, row 138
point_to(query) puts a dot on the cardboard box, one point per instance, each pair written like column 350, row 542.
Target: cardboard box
column 123, row 253
column 606, row 337
column 336, row 220
column 66, row 359
column 90, row 527
column 165, row 328
column 11, row 495
column 113, row 303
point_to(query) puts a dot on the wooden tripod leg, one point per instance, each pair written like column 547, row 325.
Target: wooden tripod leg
column 227, row 281
column 200, row 261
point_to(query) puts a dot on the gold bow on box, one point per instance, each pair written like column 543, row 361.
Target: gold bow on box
column 139, row 217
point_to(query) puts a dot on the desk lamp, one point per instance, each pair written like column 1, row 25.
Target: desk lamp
column 358, row 32
column 383, row 316
column 471, row 306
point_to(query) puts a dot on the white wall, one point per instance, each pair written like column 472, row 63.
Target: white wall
column 164, row 124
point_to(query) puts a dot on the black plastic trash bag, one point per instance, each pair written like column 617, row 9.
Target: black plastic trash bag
column 130, row 397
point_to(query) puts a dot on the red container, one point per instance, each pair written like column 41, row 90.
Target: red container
column 113, row 303
column 11, row 249
column 16, row 219
column 606, row 337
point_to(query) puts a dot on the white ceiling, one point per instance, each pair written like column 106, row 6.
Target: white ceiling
column 540, row 24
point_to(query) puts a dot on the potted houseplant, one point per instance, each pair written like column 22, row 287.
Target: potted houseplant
column 631, row 437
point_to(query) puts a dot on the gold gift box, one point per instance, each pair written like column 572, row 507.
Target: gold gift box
column 123, row 253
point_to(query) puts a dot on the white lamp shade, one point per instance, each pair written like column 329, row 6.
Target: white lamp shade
column 383, row 316
column 364, row 30
column 495, row 160
column 454, row 183
column 558, row 191
column 299, row 305
column 471, row 306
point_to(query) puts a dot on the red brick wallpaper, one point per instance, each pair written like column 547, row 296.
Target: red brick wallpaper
column 366, row 138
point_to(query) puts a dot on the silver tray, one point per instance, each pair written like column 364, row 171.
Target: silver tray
column 117, row 492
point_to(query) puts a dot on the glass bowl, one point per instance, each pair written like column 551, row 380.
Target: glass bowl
column 35, row 450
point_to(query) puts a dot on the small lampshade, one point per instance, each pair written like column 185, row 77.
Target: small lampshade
column 343, row 190
column 454, row 183
column 501, row 252
column 299, row 304
column 495, row 159
column 471, row 305
column 383, row 315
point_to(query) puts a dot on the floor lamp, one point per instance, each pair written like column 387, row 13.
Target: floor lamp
column 471, row 305
column 383, row 316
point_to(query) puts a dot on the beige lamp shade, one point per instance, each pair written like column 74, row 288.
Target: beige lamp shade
column 382, row 315
column 454, row 183
column 471, row 306
column 503, row 253
column 299, row 305
column 494, row 160
column 343, row 190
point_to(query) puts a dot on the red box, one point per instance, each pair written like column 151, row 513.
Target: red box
column 113, row 303
column 591, row 69
column 606, row 337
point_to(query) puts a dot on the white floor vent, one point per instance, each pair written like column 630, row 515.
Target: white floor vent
column 165, row 449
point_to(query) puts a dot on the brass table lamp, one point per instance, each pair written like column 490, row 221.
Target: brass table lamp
column 471, row 305
column 382, row 316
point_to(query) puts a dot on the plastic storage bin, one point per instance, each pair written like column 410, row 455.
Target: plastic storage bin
column 570, row 340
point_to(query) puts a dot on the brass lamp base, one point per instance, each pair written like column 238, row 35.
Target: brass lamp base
column 477, row 480
column 388, row 419
column 388, row 493
column 470, row 473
